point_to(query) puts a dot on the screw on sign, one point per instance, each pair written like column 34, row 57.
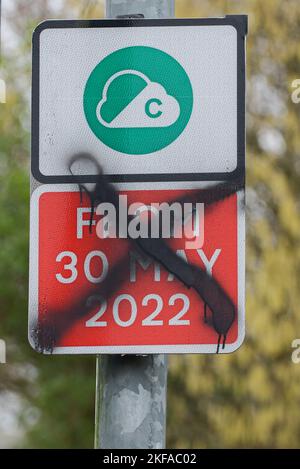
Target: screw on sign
column 105, row 277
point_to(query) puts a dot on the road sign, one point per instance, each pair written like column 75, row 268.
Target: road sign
column 151, row 99
column 149, row 311
column 160, row 104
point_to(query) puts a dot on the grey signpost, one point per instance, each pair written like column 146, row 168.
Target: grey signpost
column 148, row 8
column 131, row 390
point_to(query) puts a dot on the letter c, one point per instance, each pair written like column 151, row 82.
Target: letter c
column 153, row 115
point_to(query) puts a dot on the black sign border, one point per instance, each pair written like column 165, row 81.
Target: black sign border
column 239, row 22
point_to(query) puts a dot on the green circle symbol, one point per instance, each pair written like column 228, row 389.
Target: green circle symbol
column 138, row 100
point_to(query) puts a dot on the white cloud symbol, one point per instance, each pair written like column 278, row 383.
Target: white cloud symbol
column 152, row 107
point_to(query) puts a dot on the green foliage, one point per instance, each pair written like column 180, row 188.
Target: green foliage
column 248, row 399
column 251, row 398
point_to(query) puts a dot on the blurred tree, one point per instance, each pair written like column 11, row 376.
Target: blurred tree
column 248, row 399
column 251, row 398
column 57, row 393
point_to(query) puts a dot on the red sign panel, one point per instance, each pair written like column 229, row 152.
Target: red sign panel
column 148, row 310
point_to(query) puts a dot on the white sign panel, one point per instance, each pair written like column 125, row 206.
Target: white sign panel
column 150, row 99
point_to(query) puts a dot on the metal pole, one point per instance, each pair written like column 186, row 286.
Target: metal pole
column 131, row 390
column 148, row 8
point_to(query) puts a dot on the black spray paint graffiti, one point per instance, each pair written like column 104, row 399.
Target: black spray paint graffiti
column 52, row 326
